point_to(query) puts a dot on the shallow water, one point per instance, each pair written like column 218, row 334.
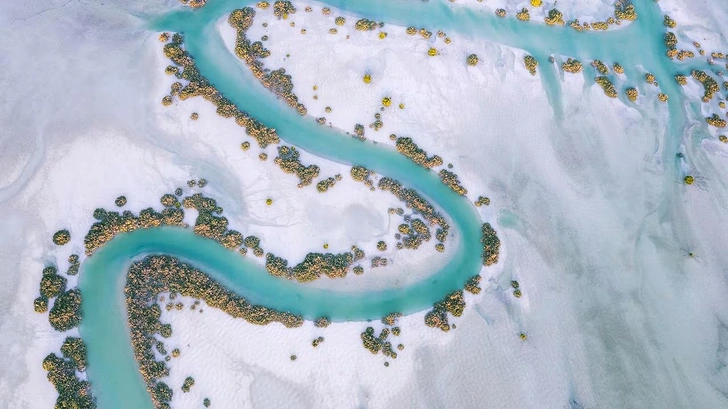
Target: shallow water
column 112, row 369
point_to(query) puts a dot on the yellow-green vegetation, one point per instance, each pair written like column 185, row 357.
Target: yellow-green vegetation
column 415, row 201
column 262, row 5
column 387, row 101
column 689, row 180
column 668, row 22
column 576, row 25
column 378, row 124
column 160, row 274
column 112, row 223
column 723, row 138
column 312, row 267
column 72, row 391
column 367, row 78
column 472, row 60
column 554, row 18
column 662, row 97
column 362, row 174
column 366, row 25
column 571, row 65
column 391, row 319
column 472, row 285
column 167, row 101
column 491, row 245
column 683, row 54
column 415, row 233
column 500, row 12
column 482, row 201
column 199, row 86
column 40, row 305
column 432, row 52
column 453, row 303
column 523, row 15
column 74, row 349
column 607, row 86
column 632, row 94
column 51, row 284
column 379, row 261
column 316, row 342
column 617, row 68
column 168, row 200
column 670, row 40
column 716, row 121
column 322, row 322
column 411, row 30
column 61, row 237
column 600, row 67
column 624, row 10
column 650, row 78
column 531, row 64
column 359, row 132
column 450, row 179
column 66, row 312
column 381, row 245
column 171, row 70
column 120, row 201
column 288, row 160
column 370, row 341
column 382, row 35
column 339, row 21
column 277, row 81
column 189, row 381
column 282, row 9
column 74, row 265
column 327, row 183
column 681, row 79
column 710, row 86
column 195, row 4
column 407, row 147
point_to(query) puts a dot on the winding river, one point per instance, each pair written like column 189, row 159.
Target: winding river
column 112, row 369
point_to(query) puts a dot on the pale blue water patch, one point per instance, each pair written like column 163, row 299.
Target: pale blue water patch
column 112, row 368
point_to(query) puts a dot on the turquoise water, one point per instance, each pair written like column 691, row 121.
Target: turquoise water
column 112, row 368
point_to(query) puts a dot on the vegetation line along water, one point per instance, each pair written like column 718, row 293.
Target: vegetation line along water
column 112, row 368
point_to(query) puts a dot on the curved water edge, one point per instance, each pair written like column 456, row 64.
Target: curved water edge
column 112, row 368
